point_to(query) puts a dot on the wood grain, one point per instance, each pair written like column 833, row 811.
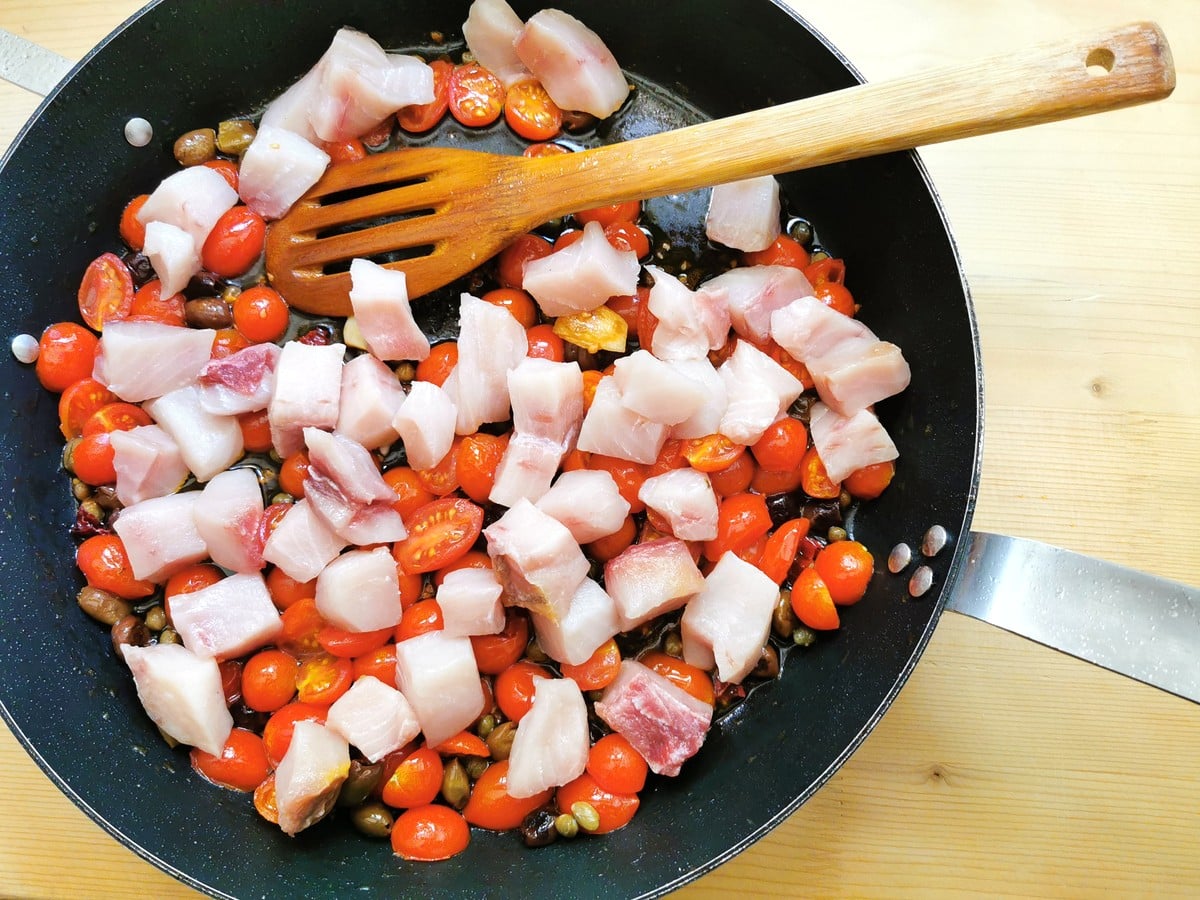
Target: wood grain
column 1003, row 768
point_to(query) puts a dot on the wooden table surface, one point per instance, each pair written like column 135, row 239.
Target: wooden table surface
column 1004, row 767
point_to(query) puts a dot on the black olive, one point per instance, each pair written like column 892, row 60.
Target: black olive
column 824, row 514
column 784, row 507
column 139, row 267
column 537, row 829
column 202, row 284
column 245, row 717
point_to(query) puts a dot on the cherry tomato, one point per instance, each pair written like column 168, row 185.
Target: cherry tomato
column 349, row 644
column 627, row 211
column 627, row 236
column 66, row 355
column 349, row 150
column 235, row 242
column 472, row 559
column 531, row 113
column 735, row 477
column 691, row 678
column 510, row 264
column 380, row 134
column 256, row 431
column 226, row 168
column 422, row 117
column 827, row 269
column 812, row 603
column 430, row 833
column 741, row 520
column 292, row 472
column 616, row 810
column 92, row 459
column 277, row 733
column 302, row 622
column 190, row 579
column 784, row 251
column 599, row 670
column 106, row 291
column 535, row 150
column 782, row 445
column 712, row 453
column 150, row 305
column 105, row 564
column 323, row 678
column 117, row 416
column 133, row 232
column 794, row 367
column 611, row 546
column 416, row 781
column 517, row 302
column 436, row 367
column 421, row 617
column 261, row 314
column 478, row 459
column 286, row 590
column 476, row 95
column 515, row 687
column 411, row 495
column 846, row 568
column 591, row 379
column 79, row 403
column 616, row 766
column 629, row 477
column 868, row 482
column 231, row 679
column 496, row 652
column 545, row 344
column 647, row 322
column 379, row 663
column 781, row 549
column 265, row 801
column 440, row 532
column 228, row 342
column 835, row 296
column 269, row 680
column 442, row 479
column 626, row 306
column 815, row 480
column 492, row 807
column 769, row 481
column 242, row 765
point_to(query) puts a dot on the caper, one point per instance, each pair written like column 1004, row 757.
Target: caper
column 585, row 814
column 129, row 629
column 566, row 825
column 800, row 231
column 196, row 147
column 80, row 489
column 93, row 509
column 500, row 741
column 68, row 456
column 845, row 499
column 106, row 608
column 575, row 120
column 768, row 663
column 169, row 636
column 208, row 312
column 783, row 619
column 156, row 618
column 406, row 372
column 476, row 766
column 535, row 652
column 372, row 819
column 673, row 644
column 234, row 136
column 362, row 780
column 837, row 533
column 804, row 637
column 537, row 829
column 282, row 497
column 485, row 726
column 456, row 786
column 106, row 496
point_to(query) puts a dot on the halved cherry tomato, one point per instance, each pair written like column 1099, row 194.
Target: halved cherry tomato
column 868, row 482
column 545, row 344
column 292, row 472
column 436, row 367
column 269, row 680
column 616, row 766
column 827, row 269
column 117, row 416
column 510, row 264
column 380, row 134
column 265, row 801
column 782, row 445
column 439, row 533
column 628, row 211
column 735, row 477
column 242, row 765
column 79, row 402
column 535, row 150
column 464, row 744
column 846, row 568
column 611, row 546
column 271, row 518
column 411, row 494
column 349, row 644
column 629, row 477
column 379, row 663
column 235, row 242
column 616, row 810
column 106, row 291
column 421, row 617
column 302, row 622
column 599, row 670
column 416, row 781
column 835, row 296
column 478, row 459
column 476, row 96
column 814, row 479
column 517, row 302
column 627, row 236
column 812, row 603
column 323, row 678
column 150, row 305
column 442, row 479
column 496, row 652
column 286, row 590
column 422, row 117
column 132, row 231
column 741, row 520
column 784, row 251
column 712, row 453
column 256, row 431
column 691, row 678
column 66, row 355
column 530, row 112
column 349, row 150
column 430, row 833
column 261, row 314
column 92, row 460
column 277, row 733
column 781, row 549
column 228, row 342
column 104, row 562
column 515, row 687
column 226, row 168
column 492, row 807
column 669, row 457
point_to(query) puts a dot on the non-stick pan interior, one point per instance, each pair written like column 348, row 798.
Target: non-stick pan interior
column 190, row 63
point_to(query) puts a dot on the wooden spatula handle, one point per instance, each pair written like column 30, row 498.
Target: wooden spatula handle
column 1059, row 80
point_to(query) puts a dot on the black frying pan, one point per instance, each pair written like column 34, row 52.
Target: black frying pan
column 190, row 63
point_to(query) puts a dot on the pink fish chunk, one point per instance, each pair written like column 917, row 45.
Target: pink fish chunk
column 173, row 255
column 208, row 444
column 685, row 499
column 590, row 621
column 302, row 544
column 690, row 323
column 611, row 428
column 379, row 298
column 370, row 398
column 647, row 580
column 663, row 722
column 227, row 619
column 228, row 517
column 438, row 676
column 526, row 469
column 276, row 170
column 490, row 344
column 547, row 399
column 308, row 389
column 744, row 214
column 588, row 503
column 582, row 276
column 374, row 717
column 241, row 382
column 552, row 741
column 660, row 391
column 726, row 625
column 538, row 563
column 192, row 199
column 359, row 591
column 160, row 535
column 491, row 29
column 309, row 776
column 754, row 293
column 572, row 63
column 470, row 603
column 148, row 464
column 181, row 693
column 140, row 360
column 849, row 443
column 759, row 390
column 426, row 424
column 346, row 490
column 707, row 419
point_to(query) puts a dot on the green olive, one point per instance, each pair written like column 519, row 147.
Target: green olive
column 485, row 726
column 566, row 825
column 362, row 780
column 476, row 766
column 783, row 619
column 106, row 608
column 500, row 741
column 837, row 533
column 156, row 618
column 585, row 814
column 196, row 147
column 234, row 136
column 372, row 819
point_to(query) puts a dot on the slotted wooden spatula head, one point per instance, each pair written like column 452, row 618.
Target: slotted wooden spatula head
column 439, row 213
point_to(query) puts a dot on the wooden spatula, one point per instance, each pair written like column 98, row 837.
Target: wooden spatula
column 447, row 211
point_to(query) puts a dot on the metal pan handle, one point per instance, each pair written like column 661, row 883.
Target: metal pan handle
column 29, row 65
